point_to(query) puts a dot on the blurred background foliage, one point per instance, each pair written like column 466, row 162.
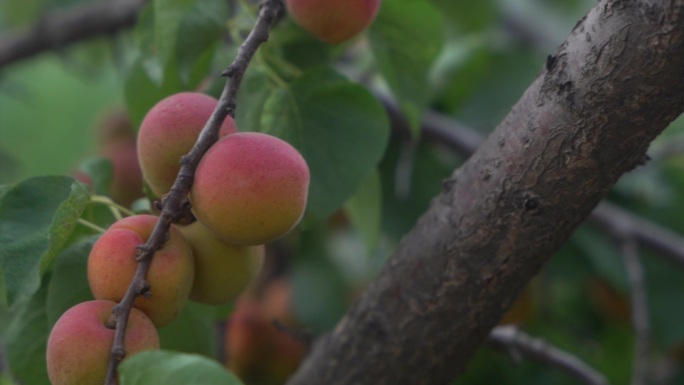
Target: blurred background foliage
column 491, row 51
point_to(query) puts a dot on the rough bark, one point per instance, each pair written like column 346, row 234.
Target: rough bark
column 589, row 117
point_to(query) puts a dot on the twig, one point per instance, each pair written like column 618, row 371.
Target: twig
column 617, row 221
column 59, row 29
column 642, row 329
column 516, row 341
column 175, row 204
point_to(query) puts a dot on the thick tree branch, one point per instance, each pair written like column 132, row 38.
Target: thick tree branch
column 589, row 117
column 515, row 341
column 611, row 219
column 60, row 29
column 175, row 205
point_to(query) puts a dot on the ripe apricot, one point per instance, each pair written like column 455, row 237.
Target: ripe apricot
column 333, row 21
column 112, row 264
column 250, row 188
column 80, row 342
column 168, row 131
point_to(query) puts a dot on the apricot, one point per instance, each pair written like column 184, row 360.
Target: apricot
column 79, row 344
column 333, row 21
column 257, row 351
column 222, row 271
column 168, row 131
column 250, row 188
column 127, row 179
column 112, row 264
column 116, row 142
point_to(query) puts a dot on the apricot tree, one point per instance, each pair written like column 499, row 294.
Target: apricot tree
column 397, row 240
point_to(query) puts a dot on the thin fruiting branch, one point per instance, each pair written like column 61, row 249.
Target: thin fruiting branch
column 175, row 204
column 62, row 28
column 517, row 342
column 640, row 321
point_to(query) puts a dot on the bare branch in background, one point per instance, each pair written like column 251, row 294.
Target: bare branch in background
column 517, row 342
column 60, row 29
column 640, row 318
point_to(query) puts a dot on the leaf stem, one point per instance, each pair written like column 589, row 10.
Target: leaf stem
column 91, row 225
column 114, row 207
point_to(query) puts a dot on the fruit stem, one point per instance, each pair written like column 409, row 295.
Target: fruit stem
column 91, row 225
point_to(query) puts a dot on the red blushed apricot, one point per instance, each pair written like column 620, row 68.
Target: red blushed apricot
column 222, row 271
column 257, row 351
column 79, row 344
column 168, row 131
column 112, row 264
column 333, row 21
column 127, row 179
column 250, row 188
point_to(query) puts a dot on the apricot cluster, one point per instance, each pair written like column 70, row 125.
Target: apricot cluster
column 249, row 189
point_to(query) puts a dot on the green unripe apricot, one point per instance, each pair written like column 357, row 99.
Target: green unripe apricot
column 222, row 271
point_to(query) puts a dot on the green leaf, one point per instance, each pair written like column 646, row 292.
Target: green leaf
column 406, row 38
column 176, row 42
column 365, row 210
column 4, row 188
column 20, row 12
column 142, row 92
column 37, row 216
column 198, row 33
column 463, row 64
column 168, row 15
column 255, row 89
column 185, row 30
column 27, row 336
column 69, row 283
column 411, row 177
column 339, row 128
column 100, row 171
column 64, row 221
column 169, row 368
column 664, row 289
column 469, row 15
column 192, row 331
column 320, row 291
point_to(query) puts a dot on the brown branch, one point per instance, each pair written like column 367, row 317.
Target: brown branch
column 611, row 219
column 515, row 341
column 589, row 117
column 622, row 224
column 640, row 321
column 60, row 29
column 175, row 204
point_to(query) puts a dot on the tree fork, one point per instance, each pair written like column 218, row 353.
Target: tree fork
column 589, row 117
